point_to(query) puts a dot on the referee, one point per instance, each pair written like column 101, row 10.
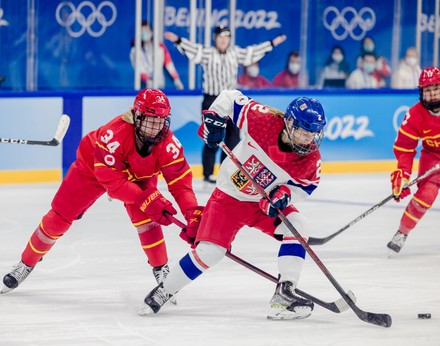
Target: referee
column 220, row 69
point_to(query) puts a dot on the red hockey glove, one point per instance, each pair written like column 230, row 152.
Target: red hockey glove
column 192, row 216
column 154, row 205
column 213, row 129
column 398, row 181
column 279, row 199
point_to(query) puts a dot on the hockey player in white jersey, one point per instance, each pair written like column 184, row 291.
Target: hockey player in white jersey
column 281, row 152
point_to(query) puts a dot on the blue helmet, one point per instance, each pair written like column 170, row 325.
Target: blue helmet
column 305, row 113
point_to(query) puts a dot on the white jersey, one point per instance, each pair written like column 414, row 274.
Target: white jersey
column 259, row 153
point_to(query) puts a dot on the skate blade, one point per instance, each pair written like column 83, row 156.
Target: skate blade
column 391, row 253
column 173, row 300
column 145, row 310
column 281, row 313
column 5, row 290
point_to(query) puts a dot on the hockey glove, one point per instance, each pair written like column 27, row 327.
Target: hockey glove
column 155, row 206
column 213, row 129
column 279, row 199
column 398, row 181
column 192, row 216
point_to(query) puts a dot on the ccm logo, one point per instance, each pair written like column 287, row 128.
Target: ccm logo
column 215, row 123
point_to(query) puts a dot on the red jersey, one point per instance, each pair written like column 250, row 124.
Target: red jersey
column 109, row 154
column 418, row 123
column 285, row 79
column 259, row 82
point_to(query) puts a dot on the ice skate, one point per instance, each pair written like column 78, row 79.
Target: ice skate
column 160, row 273
column 19, row 272
column 154, row 301
column 287, row 305
column 397, row 242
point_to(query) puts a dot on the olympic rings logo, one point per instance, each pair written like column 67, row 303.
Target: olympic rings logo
column 86, row 14
column 349, row 22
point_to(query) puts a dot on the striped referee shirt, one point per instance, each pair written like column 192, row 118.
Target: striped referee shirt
column 220, row 69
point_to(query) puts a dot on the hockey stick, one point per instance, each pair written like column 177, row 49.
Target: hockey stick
column 63, row 125
column 337, row 306
column 383, row 320
column 320, row 241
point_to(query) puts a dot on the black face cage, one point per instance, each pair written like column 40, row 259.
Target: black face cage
column 432, row 105
column 141, row 129
column 304, row 150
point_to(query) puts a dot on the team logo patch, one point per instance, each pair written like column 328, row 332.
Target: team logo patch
column 258, row 171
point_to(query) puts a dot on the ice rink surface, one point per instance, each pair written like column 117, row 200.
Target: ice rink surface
column 88, row 288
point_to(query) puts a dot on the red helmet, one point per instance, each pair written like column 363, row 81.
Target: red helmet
column 429, row 76
column 152, row 103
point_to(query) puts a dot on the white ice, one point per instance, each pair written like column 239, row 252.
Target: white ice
column 87, row 289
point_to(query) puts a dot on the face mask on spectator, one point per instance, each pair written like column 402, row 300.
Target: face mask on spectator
column 369, row 47
column 146, row 35
column 293, row 67
column 369, row 67
column 253, row 71
column 411, row 60
column 337, row 57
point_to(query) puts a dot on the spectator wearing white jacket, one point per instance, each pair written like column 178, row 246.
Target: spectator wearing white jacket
column 408, row 73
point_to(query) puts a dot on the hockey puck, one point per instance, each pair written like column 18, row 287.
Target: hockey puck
column 424, row 316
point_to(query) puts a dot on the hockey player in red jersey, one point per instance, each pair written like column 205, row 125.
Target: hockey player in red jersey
column 422, row 121
column 123, row 158
column 280, row 150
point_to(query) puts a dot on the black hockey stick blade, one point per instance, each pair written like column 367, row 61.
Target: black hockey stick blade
column 321, row 241
column 382, row 320
column 60, row 132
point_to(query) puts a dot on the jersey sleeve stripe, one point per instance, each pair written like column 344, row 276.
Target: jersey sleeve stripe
column 178, row 178
column 101, row 146
column 395, row 147
column 173, row 162
column 408, row 134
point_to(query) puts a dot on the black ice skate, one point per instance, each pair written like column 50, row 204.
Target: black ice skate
column 154, row 301
column 19, row 272
column 287, row 305
column 397, row 242
column 160, row 273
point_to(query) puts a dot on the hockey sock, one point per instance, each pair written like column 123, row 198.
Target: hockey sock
column 153, row 244
column 39, row 244
column 412, row 215
column 192, row 265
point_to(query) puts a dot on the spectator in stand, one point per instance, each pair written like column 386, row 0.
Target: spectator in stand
column 408, row 73
column 363, row 77
column 251, row 79
column 336, row 69
column 146, row 60
column 382, row 69
column 290, row 76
